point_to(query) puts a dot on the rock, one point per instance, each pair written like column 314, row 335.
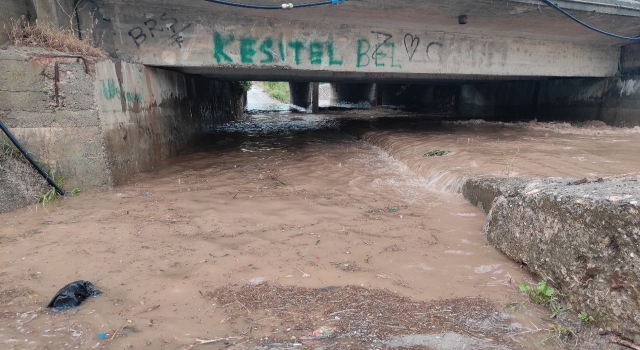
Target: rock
column 576, row 235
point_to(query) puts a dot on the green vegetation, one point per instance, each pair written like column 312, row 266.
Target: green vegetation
column 8, row 149
column 246, row 85
column 543, row 294
column 51, row 194
column 278, row 90
column 584, row 318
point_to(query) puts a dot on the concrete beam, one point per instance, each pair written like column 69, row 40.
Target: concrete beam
column 232, row 46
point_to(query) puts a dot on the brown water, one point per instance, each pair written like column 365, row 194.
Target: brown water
column 285, row 199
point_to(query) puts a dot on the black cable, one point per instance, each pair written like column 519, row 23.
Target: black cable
column 281, row 7
column 588, row 26
column 30, row 159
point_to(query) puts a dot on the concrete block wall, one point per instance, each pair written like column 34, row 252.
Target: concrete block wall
column 110, row 120
column 63, row 132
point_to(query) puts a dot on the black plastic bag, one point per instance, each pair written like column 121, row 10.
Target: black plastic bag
column 72, row 295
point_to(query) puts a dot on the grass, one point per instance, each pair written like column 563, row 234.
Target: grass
column 278, row 90
column 544, row 294
column 8, row 149
column 25, row 33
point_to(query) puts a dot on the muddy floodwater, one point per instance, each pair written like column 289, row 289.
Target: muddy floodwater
column 283, row 224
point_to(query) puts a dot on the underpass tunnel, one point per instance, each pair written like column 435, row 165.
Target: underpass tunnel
column 543, row 98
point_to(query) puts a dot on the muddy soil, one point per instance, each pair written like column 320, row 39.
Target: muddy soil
column 282, row 225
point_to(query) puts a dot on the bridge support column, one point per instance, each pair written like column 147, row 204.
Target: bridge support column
column 300, row 94
column 315, row 103
column 353, row 93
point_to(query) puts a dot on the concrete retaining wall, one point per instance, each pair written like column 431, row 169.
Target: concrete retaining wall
column 584, row 235
column 150, row 114
column 98, row 123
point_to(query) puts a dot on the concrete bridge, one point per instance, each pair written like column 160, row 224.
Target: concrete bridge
column 173, row 65
column 367, row 40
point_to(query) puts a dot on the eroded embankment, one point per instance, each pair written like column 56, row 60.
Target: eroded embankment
column 583, row 234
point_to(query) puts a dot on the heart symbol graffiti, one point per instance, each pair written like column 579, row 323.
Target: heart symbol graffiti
column 411, row 44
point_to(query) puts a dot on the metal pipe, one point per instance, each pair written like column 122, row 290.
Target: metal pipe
column 30, row 159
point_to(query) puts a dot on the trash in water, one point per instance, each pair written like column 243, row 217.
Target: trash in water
column 72, row 295
column 437, row 153
column 322, row 333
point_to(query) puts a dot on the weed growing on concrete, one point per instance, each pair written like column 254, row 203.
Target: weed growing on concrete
column 278, row 90
column 75, row 191
column 51, row 194
column 543, row 294
column 509, row 162
column 8, row 149
column 25, row 33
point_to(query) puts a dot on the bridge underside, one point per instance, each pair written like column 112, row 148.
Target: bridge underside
column 364, row 41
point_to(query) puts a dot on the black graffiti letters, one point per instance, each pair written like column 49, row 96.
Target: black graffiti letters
column 152, row 28
column 411, row 44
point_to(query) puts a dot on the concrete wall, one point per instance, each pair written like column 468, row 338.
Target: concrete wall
column 202, row 39
column 615, row 101
column 14, row 9
column 512, row 100
column 65, row 134
column 150, row 114
column 630, row 59
column 110, row 120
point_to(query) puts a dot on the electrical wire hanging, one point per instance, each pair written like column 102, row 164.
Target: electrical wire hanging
column 588, row 26
column 285, row 6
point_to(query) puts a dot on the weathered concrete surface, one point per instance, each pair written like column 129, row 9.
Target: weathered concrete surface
column 149, row 114
column 203, row 38
column 12, row 10
column 584, row 235
column 109, row 120
column 20, row 183
column 57, row 13
column 615, row 101
column 630, row 59
column 482, row 191
column 63, row 132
